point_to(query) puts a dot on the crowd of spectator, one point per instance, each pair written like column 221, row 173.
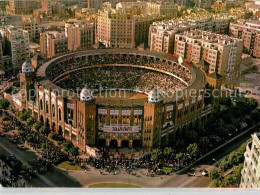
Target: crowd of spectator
column 127, row 75
column 112, row 163
column 122, row 77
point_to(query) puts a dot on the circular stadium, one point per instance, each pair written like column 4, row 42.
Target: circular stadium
column 107, row 96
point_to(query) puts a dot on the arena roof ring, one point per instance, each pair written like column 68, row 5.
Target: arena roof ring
column 109, row 69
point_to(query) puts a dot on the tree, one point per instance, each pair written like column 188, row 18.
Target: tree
column 229, row 181
column 37, row 126
column 74, row 151
column 4, row 104
column 43, row 146
column 29, row 139
column 255, row 115
column 51, row 135
column 21, row 133
column 192, row 149
column 213, row 174
column 180, row 158
column 44, row 130
column 224, row 165
column 23, row 116
column 237, row 170
column 167, row 151
column 67, row 146
column 29, row 122
column 204, row 144
column 216, row 183
column 156, row 154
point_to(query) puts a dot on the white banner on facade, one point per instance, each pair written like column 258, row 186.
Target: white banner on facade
column 102, row 111
column 114, row 112
column 120, row 129
column 180, row 106
column 138, row 112
column 126, row 112
column 169, row 108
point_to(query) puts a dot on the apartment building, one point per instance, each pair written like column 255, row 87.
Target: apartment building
column 22, row 6
column 3, row 18
column 134, row 8
column 3, row 5
column 53, row 43
column 31, row 26
column 251, row 170
column 168, row 9
column 203, row 3
column 161, row 34
column 15, row 45
column 221, row 53
column 249, row 31
column 219, row 5
column 142, row 25
column 80, row 34
column 116, row 28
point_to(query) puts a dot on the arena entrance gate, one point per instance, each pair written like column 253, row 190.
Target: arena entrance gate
column 124, row 143
column 113, row 143
column 136, row 143
column 102, row 142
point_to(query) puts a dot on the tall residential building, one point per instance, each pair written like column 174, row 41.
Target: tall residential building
column 161, row 34
column 251, row 170
column 31, row 26
column 46, row 5
column 80, row 34
column 249, row 31
column 221, row 53
column 21, row 6
column 16, row 45
column 115, row 28
column 168, row 9
column 53, row 43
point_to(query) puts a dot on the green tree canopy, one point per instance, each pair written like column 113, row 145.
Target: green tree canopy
column 4, row 104
column 213, row 174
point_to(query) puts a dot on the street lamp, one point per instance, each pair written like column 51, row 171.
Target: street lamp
column 215, row 161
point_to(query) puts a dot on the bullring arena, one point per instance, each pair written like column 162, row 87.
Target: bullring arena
column 117, row 98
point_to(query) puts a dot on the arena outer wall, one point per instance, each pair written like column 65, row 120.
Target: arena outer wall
column 137, row 121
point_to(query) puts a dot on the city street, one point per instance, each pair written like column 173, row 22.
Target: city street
column 56, row 178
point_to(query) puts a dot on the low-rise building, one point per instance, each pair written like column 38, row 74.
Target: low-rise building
column 251, row 170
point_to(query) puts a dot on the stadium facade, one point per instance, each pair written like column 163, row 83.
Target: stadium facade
column 138, row 118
